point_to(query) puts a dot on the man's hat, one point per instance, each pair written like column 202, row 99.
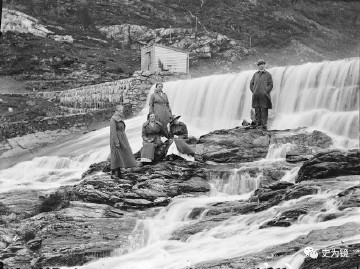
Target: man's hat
column 174, row 118
column 259, row 62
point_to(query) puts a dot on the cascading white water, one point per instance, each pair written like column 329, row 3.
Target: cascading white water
column 319, row 95
column 237, row 182
column 226, row 239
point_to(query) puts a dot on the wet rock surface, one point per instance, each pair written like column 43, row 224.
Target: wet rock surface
column 143, row 187
column 262, row 199
column 95, row 217
column 350, row 198
column 234, row 145
column 331, row 163
column 247, row 145
column 318, row 236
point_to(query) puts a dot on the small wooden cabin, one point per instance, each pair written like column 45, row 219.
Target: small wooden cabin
column 158, row 58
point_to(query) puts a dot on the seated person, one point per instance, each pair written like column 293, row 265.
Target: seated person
column 179, row 147
column 152, row 131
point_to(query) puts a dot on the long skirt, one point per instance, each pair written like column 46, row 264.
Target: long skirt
column 122, row 156
column 179, row 150
column 148, row 152
column 162, row 114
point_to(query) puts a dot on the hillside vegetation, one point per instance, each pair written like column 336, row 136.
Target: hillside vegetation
column 282, row 31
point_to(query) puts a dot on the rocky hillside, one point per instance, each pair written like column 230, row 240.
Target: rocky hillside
column 85, row 42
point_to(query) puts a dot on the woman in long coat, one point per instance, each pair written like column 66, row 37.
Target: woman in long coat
column 152, row 131
column 121, row 153
column 179, row 147
column 159, row 105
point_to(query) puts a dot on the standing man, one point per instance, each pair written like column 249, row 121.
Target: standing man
column 261, row 85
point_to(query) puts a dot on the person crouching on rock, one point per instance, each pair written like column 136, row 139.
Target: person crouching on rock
column 179, row 147
column 121, row 153
column 152, row 131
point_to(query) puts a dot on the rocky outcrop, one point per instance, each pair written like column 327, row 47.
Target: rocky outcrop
column 143, row 187
column 93, row 218
column 320, row 236
column 200, row 44
column 278, row 192
column 16, row 21
column 331, row 164
column 97, row 216
column 351, row 260
column 262, row 199
column 234, row 145
column 246, row 145
column 71, row 236
column 306, row 145
column 349, row 197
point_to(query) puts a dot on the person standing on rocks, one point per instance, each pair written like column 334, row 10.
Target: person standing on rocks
column 261, row 85
column 159, row 105
column 121, row 153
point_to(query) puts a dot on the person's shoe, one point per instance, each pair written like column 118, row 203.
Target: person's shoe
column 264, row 127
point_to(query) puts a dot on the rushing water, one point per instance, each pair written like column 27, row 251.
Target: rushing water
column 321, row 96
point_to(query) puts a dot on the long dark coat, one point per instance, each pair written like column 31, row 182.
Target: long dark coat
column 159, row 105
column 152, row 134
column 121, row 156
column 181, row 131
column 261, row 85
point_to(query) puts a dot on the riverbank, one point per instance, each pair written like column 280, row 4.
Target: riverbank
column 27, row 147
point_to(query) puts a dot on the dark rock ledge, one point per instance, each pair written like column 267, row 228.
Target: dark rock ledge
column 89, row 220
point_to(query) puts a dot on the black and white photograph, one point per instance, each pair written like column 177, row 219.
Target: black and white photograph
column 180, row 134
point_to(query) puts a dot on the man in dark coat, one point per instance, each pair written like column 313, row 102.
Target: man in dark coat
column 261, row 85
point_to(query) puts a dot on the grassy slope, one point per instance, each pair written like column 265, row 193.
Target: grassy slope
column 326, row 29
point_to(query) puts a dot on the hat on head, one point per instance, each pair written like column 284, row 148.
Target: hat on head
column 259, row 62
column 174, row 118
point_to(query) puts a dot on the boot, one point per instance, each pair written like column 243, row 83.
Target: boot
column 119, row 175
column 115, row 173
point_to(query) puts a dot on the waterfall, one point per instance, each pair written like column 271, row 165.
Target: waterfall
column 237, row 236
column 318, row 95
column 238, row 181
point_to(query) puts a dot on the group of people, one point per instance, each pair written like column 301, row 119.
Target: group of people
column 161, row 123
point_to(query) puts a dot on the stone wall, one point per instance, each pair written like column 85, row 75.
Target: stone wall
column 131, row 93
column 92, row 104
column 21, row 128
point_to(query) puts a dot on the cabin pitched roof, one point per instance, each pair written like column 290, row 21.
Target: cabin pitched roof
column 166, row 47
